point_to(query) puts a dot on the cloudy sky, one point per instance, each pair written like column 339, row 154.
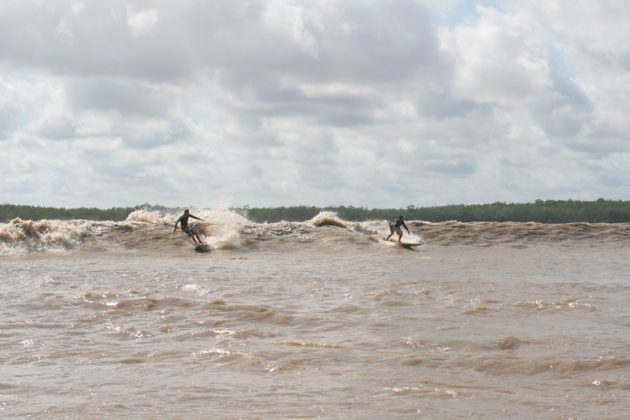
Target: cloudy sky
column 373, row 103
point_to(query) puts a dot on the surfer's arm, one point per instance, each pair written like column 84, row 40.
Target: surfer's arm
column 405, row 225
column 195, row 217
column 176, row 223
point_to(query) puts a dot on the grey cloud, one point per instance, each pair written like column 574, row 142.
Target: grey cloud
column 570, row 91
column 454, row 167
column 356, row 41
column 9, row 120
column 318, row 165
column 125, row 96
column 566, row 111
column 257, row 140
column 380, row 43
column 58, row 129
column 315, row 102
column 384, row 43
column 383, row 46
column 95, row 40
column 267, row 97
column 335, row 110
column 568, row 115
column 437, row 102
column 135, row 134
column 597, row 146
column 170, row 133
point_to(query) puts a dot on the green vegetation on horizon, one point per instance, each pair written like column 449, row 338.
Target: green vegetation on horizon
column 10, row 211
column 544, row 211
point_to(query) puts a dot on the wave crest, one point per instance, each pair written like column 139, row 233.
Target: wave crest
column 27, row 235
column 327, row 218
column 149, row 216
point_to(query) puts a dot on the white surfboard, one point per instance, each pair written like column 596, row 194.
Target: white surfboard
column 403, row 244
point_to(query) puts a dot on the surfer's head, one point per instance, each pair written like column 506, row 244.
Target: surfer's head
column 185, row 211
column 400, row 217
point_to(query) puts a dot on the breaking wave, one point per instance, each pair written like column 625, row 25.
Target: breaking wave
column 52, row 235
column 226, row 229
column 327, row 218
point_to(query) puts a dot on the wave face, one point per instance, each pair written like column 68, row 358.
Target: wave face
column 224, row 229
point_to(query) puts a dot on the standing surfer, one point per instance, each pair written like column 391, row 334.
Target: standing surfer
column 394, row 226
column 191, row 232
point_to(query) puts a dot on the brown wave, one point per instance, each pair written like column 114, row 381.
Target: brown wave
column 500, row 365
column 24, row 236
column 489, row 233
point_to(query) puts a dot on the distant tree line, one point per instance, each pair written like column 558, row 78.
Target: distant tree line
column 544, row 211
column 10, row 211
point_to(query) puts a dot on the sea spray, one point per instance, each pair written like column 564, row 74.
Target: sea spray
column 221, row 226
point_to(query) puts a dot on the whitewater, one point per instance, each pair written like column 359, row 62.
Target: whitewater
column 315, row 319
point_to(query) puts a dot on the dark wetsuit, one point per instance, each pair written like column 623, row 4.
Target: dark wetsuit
column 394, row 226
column 397, row 223
column 184, row 223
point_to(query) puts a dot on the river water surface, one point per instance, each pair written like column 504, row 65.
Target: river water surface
column 315, row 319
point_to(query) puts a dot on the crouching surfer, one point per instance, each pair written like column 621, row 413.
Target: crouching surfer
column 190, row 231
column 394, row 227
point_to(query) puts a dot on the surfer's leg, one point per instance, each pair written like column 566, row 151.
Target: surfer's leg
column 195, row 235
column 391, row 232
column 191, row 234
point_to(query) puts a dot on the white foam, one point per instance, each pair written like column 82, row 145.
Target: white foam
column 150, row 216
column 19, row 236
column 195, row 288
column 221, row 226
column 229, row 240
column 327, row 218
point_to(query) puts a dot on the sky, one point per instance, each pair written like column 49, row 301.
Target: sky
column 367, row 103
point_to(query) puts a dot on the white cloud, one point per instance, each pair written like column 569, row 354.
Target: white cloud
column 313, row 102
column 289, row 18
column 143, row 21
column 495, row 60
